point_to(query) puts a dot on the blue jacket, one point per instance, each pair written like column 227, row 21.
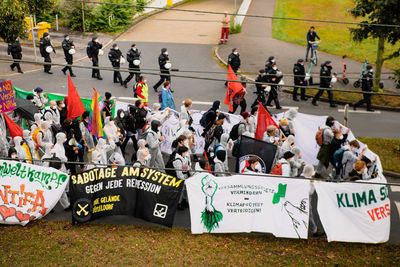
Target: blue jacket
column 167, row 99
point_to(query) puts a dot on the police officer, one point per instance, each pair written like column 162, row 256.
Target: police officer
column 115, row 56
column 162, row 60
column 15, row 50
column 44, row 43
column 92, row 52
column 67, row 45
column 234, row 60
column 132, row 56
column 325, row 83
column 274, row 76
column 299, row 79
column 366, row 86
column 269, row 63
column 260, row 88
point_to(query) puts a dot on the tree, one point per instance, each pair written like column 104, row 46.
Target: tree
column 39, row 7
column 12, row 22
column 378, row 12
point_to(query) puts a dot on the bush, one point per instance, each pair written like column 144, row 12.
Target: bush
column 74, row 16
column 234, row 29
column 120, row 16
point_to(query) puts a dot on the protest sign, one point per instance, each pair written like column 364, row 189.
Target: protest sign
column 28, row 192
column 248, row 203
column 7, row 99
column 354, row 212
column 141, row 192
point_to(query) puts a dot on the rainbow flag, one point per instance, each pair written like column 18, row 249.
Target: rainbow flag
column 95, row 126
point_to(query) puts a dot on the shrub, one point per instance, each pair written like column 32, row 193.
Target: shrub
column 120, row 16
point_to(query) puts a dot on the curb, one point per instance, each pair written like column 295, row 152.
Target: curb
column 391, row 174
column 221, row 61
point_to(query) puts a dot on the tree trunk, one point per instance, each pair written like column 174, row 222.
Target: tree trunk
column 379, row 62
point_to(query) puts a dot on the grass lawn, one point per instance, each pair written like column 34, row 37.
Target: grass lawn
column 387, row 149
column 44, row 243
column 336, row 37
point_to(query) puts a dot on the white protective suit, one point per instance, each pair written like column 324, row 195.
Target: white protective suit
column 153, row 140
column 21, row 152
column 143, row 154
column 157, row 114
column 44, row 137
column 111, row 130
column 296, row 163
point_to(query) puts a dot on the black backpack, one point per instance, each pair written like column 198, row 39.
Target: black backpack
column 170, row 166
column 55, row 165
column 234, row 134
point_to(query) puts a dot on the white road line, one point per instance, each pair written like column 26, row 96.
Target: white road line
column 286, row 107
column 360, row 111
column 200, row 103
column 395, row 188
column 127, row 98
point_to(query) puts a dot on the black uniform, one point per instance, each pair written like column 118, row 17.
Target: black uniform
column 115, row 57
column 92, row 52
column 43, row 44
column 273, row 94
column 366, row 86
column 67, row 45
column 234, row 61
column 268, row 65
column 162, row 60
column 299, row 79
column 15, row 50
column 325, row 82
column 130, row 57
column 260, row 90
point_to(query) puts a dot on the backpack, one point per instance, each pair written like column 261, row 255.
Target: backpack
column 160, row 97
column 35, row 133
column 209, row 136
column 203, row 120
column 170, row 165
column 55, row 165
column 277, row 169
column 319, row 137
column 337, row 158
column 234, row 134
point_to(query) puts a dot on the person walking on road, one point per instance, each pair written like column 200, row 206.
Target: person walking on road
column 366, row 86
column 14, row 49
column 299, row 79
column 268, row 64
column 325, row 83
column 142, row 90
column 92, row 51
column 69, row 49
column 274, row 76
column 234, row 60
column 115, row 56
column 225, row 28
column 163, row 59
column 133, row 58
column 311, row 35
column 46, row 48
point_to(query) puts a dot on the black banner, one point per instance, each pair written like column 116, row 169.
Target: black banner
column 250, row 147
column 141, row 192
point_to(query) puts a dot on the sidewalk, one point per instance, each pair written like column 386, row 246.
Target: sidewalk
column 255, row 44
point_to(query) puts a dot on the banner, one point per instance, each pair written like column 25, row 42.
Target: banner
column 171, row 126
column 250, row 147
column 7, row 99
column 28, row 192
column 249, row 203
column 141, row 192
column 354, row 212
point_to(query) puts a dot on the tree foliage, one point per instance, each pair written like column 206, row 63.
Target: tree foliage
column 38, row 7
column 12, row 23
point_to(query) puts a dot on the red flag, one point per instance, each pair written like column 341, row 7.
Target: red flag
column 74, row 104
column 263, row 121
column 233, row 88
column 14, row 129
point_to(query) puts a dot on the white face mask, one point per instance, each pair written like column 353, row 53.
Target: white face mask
column 53, row 107
column 13, row 156
column 371, row 70
column 96, row 41
column 166, row 53
column 67, row 39
column 63, row 105
column 134, row 49
column 121, row 115
column 235, row 53
column 116, row 48
column 274, row 68
column 273, row 61
column 341, row 137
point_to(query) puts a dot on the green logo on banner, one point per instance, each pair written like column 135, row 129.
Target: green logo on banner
column 210, row 216
column 281, row 193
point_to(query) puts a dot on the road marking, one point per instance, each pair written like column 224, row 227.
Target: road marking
column 200, row 103
column 361, row 111
column 395, row 188
column 286, row 107
column 127, row 98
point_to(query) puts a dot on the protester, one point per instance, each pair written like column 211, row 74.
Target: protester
column 219, row 163
column 253, row 120
column 297, row 163
column 14, row 49
column 43, row 136
column 167, row 100
column 283, row 166
column 311, row 35
column 62, row 110
column 51, row 114
column 108, row 106
column 225, row 28
column 153, row 140
column 142, row 90
column 40, row 99
column 324, row 151
column 291, row 115
column 271, row 135
column 69, row 48
column 86, row 135
column 224, row 145
column 143, row 154
column 239, row 100
column 115, row 56
column 325, row 84
column 186, row 114
column 160, row 115
column 133, row 58
column 92, row 51
column 360, row 172
column 350, row 157
column 299, row 79
column 284, row 127
column 252, row 165
column 366, row 86
column 140, row 116
column 163, row 59
column 21, row 152
column 180, row 163
column 45, row 46
column 209, row 117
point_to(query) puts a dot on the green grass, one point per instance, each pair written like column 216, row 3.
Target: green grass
column 43, row 243
column 387, row 149
column 336, row 37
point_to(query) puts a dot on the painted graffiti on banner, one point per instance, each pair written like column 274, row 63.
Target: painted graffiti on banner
column 7, row 98
column 28, row 192
column 141, row 192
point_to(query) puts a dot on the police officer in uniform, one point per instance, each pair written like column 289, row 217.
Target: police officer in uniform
column 15, row 50
column 299, row 79
column 162, row 60
column 268, row 65
column 260, row 88
column 115, row 56
column 44, row 43
column 325, row 83
column 132, row 55
column 234, row 60
column 366, row 86
column 92, row 52
column 67, row 44
column 274, row 76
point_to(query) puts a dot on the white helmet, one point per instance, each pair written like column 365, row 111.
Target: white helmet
column 101, row 52
column 136, row 62
column 122, row 60
column 49, row 49
column 168, row 65
column 71, row 51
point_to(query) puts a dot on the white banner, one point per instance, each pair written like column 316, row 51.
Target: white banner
column 248, row 203
column 170, row 128
column 354, row 212
column 28, row 192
